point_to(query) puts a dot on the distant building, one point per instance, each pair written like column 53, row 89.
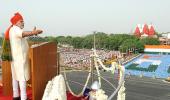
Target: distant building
column 145, row 31
column 166, row 35
column 165, row 38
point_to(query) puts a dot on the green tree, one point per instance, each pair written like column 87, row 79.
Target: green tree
column 150, row 41
column 87, row 42
column 77, row 42
column 100, row 40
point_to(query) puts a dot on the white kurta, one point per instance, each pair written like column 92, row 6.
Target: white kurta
column 19, row 49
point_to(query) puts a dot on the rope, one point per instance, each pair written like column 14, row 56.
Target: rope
column 121, row 81
column 97, row 61
column 97, row 67
column 112, row 69
column 81, row 93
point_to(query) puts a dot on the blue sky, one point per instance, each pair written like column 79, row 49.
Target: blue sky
column 81, row 17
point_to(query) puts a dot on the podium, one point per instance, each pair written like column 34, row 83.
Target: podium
column 44, row 65
column 6, row 78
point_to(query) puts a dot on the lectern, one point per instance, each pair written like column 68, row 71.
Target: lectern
column 44, row 66
column 6, row 78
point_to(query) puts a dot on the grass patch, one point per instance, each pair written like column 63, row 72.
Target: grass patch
column 168, row 70
column 151, row 68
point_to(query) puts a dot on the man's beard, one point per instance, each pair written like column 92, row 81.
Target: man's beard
column 22, row 26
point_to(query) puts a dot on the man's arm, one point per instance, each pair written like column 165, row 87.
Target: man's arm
column 30, row 33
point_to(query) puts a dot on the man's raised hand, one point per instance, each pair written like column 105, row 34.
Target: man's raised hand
column 35, row 31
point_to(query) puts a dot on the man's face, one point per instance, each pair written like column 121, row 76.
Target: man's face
column 20, row 24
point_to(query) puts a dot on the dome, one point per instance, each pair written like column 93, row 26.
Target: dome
column 137, row 32
column 145, row 29
column 151, row 30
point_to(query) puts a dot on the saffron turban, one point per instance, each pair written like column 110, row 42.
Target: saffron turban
column 17, row 17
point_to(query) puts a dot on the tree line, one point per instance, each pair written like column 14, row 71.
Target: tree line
column 122, row 42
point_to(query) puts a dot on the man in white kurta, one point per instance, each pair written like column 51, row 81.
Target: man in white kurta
column 19, row 49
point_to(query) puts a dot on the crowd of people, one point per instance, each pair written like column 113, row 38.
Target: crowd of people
column 79, row 58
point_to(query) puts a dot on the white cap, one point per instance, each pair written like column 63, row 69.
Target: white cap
column 95, row 85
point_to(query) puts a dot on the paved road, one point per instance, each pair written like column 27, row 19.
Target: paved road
column 136, row 88
column 147, row 89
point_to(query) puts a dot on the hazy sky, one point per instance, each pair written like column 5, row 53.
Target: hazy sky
column 81, row 17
